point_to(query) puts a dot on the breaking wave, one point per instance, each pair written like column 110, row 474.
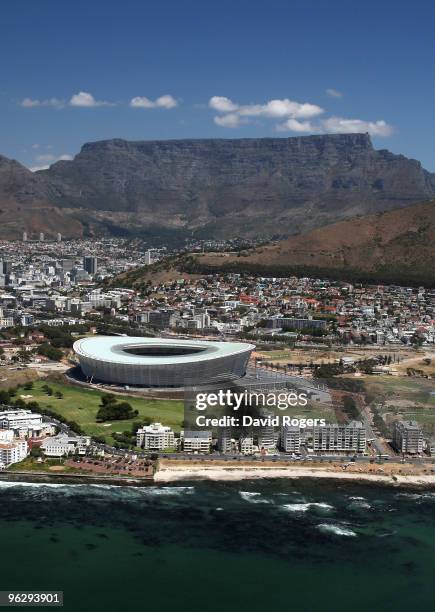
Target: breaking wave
column 339, row 530
column 307, row 506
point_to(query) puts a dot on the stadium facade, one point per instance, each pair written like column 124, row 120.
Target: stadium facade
column 161, row 362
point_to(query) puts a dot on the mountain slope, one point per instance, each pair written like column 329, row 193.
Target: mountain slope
column 222, row 188
column 26, row 204
column 212, row 188
column 394, row 246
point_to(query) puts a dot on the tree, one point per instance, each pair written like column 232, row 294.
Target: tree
column 4, row 397
column 115, row 411
column 107, row 399
column 50, row 352
column 35, row 451
column 350, row 407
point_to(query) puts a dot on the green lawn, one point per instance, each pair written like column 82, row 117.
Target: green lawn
column 30, row 464
column 81, row 405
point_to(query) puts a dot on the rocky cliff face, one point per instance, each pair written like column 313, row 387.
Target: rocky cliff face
column 279, row 185
column 224, row 188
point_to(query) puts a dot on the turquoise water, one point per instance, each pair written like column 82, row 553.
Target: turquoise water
column 206, row 547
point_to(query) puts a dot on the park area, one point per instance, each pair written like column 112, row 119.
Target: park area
column 81, row 405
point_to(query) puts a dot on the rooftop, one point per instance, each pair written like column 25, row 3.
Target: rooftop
column 152, row 351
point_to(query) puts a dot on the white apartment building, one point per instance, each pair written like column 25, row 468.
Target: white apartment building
column 202, row 320
column 408, row 437
column 340, row 438
column 246, row 445
column 196, row 441
column 6, row 435
column 6, row 322
column 63, row 445
column 267, row 438
column 12, row 451
column 155, row 437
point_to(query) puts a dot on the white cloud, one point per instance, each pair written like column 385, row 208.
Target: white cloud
column 29, row 103
column 44, row 161
column 167, row 101
column 141, row 102
column 33, row 103
column 338, row 125
column 233, row 114
column 281, row 108
column 301, row 118
column 231, row 120
column 87, row 100
column 222, row 104
column 293, row 125
column 333, row 93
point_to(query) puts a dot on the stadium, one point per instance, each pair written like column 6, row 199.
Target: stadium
column 161, row 362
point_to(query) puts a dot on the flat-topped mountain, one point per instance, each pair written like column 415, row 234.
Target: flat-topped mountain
column 221, row 188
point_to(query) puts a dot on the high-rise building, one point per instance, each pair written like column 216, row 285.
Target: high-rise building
column 202, row 320
column 333, row 437
column 90, row 264
column 157, row 318
column 149, row 258
column 291, row 439
column 246, row 444
column 24, row 236
column 6, row 267
column 67, row 265
column 408, row 437
column 266, row 438
column 59, row 237
column 41, row 236
column 224, row 440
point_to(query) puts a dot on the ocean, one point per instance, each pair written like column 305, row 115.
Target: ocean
column 206, row 547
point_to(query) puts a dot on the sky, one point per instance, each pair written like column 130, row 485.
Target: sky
column 74, row 72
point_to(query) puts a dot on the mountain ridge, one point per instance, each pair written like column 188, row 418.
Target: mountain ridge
column 212, row 188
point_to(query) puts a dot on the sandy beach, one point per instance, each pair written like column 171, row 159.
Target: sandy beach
column 172, row 473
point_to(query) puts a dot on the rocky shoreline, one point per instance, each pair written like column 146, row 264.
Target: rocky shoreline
column 173, row 474
column 77, row 479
